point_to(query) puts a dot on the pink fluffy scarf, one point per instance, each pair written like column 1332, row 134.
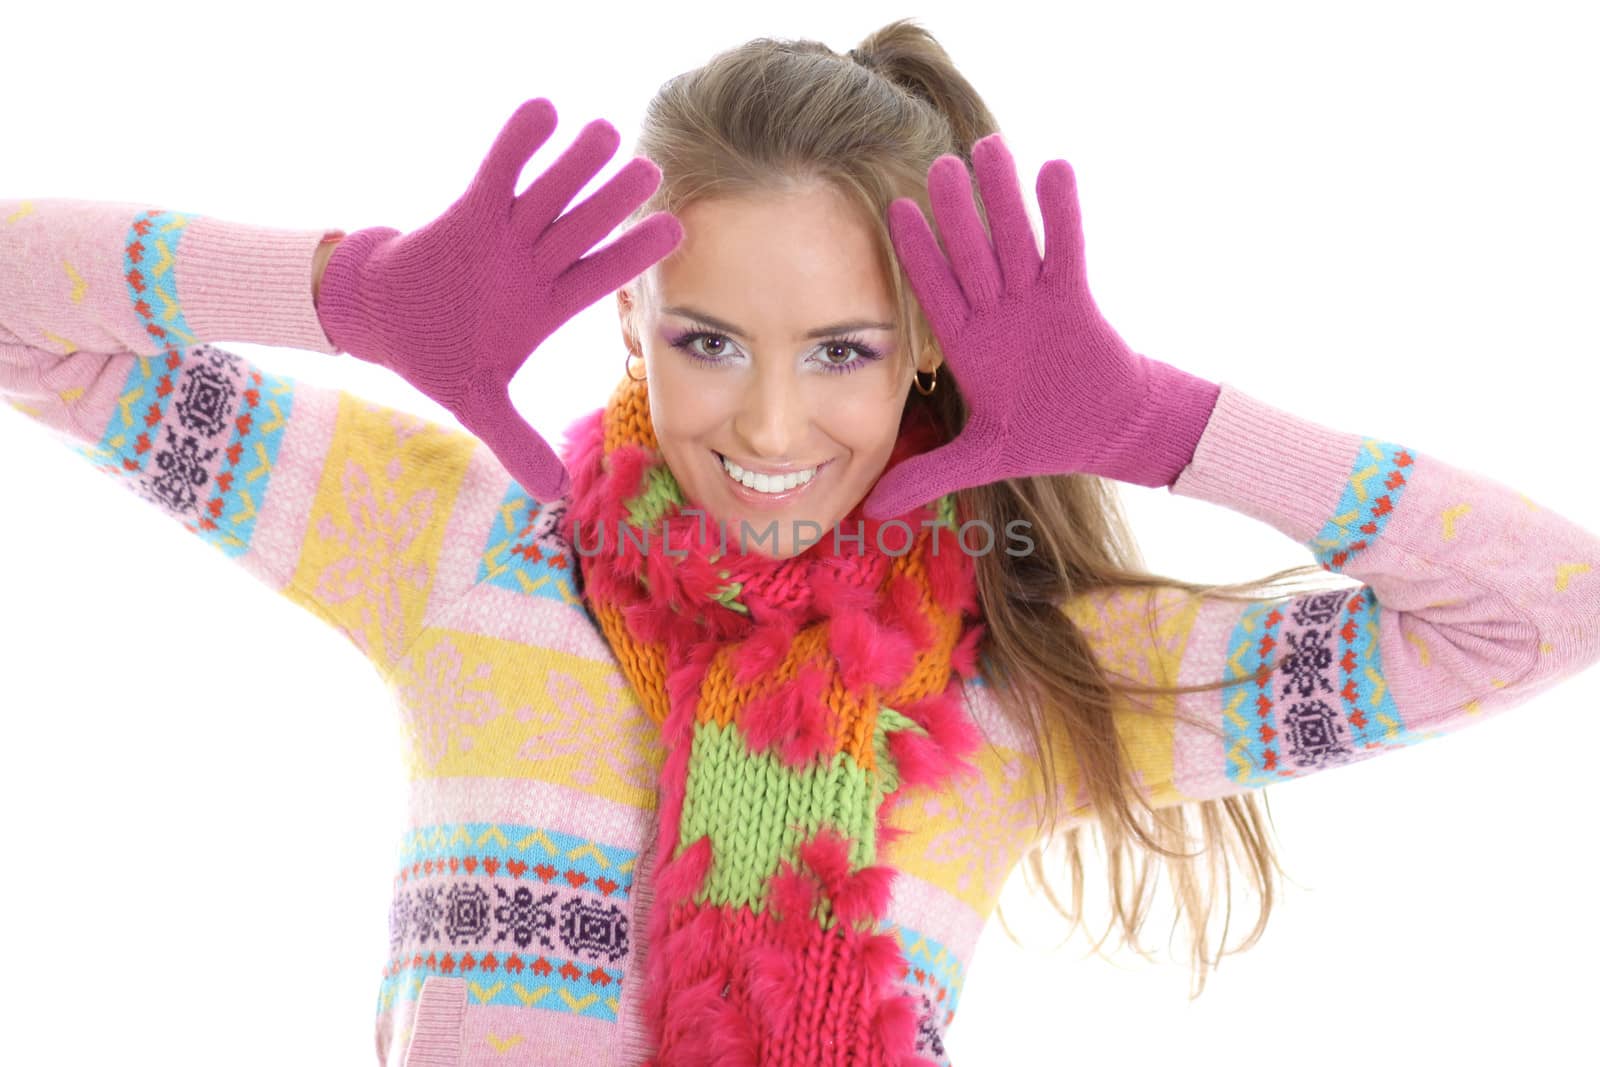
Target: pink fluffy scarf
column 798, row 700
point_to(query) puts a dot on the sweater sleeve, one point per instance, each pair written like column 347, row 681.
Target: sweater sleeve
column 108, row 312
column 1467, row 598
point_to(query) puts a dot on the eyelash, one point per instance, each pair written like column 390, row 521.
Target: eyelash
column 686, row 341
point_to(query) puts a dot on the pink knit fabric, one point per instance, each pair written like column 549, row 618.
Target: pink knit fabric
column 457, row 306
column 1049, row 387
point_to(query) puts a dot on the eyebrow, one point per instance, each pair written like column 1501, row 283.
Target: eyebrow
column 820, row 331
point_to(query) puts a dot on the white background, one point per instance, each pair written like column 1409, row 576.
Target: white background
column 1380, row 216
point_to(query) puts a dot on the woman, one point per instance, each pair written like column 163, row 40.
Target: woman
column 663, row 777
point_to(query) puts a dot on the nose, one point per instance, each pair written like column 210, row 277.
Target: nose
column 772, row 419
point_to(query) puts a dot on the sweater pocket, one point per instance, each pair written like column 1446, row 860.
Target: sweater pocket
column 436, row 1037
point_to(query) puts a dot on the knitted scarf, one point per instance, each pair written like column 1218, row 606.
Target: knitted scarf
column 797, row 700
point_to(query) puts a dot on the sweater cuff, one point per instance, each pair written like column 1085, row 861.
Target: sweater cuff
column 252, row 284
column 1270, row 464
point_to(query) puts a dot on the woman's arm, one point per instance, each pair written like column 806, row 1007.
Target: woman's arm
column 107, row 312
column 320, row 263
column 1472, row 599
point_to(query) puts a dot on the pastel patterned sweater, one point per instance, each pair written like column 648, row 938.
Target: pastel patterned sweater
column 521, row 889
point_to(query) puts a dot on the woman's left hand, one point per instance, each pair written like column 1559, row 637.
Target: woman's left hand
column 1049, row 386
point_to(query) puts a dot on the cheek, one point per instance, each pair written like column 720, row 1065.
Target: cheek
column 868, row 420
column 682, row 409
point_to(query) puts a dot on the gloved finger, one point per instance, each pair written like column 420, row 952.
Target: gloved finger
column 618, row 263
column 971, row 255
column 553, row 190
column 1008, row 216
column 524, row 453
column 529, row 127
column 1063, row 224
column 578, row 230
column 932, row 280
column 922, row 478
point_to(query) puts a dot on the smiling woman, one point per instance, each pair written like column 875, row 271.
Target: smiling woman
column 774, row 421
column 687, row 807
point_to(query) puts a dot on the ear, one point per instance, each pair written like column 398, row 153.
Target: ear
column 625, row 316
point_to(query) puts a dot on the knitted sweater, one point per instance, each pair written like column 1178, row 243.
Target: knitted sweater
column 521, row 888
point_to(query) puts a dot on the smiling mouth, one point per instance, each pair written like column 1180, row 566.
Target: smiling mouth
column 767, row 484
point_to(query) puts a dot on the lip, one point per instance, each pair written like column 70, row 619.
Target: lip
column 770, row 501
column 778, row 472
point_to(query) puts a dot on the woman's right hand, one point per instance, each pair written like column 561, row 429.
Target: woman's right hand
column 457, row 306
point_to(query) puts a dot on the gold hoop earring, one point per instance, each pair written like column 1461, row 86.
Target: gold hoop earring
column 916, row 380
column 627, row 364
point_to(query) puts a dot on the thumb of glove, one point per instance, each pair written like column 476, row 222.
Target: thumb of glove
column 526, row 455
column 927, row 476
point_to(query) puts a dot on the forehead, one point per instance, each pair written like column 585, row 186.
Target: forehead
column 774, row 260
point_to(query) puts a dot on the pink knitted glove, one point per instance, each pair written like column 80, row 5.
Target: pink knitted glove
column 1050, row 387
column 457, row 307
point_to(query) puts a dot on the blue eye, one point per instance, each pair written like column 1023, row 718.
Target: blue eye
column 865, row 352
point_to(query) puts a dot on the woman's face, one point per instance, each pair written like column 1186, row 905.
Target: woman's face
column 771, row 339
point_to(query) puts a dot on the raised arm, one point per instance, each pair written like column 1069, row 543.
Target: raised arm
column 107, row 311
column 1473, row 599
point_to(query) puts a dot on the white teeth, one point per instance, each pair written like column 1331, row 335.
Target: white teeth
column 766, row 483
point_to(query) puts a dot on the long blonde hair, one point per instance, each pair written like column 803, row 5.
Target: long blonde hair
column 770, row 113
